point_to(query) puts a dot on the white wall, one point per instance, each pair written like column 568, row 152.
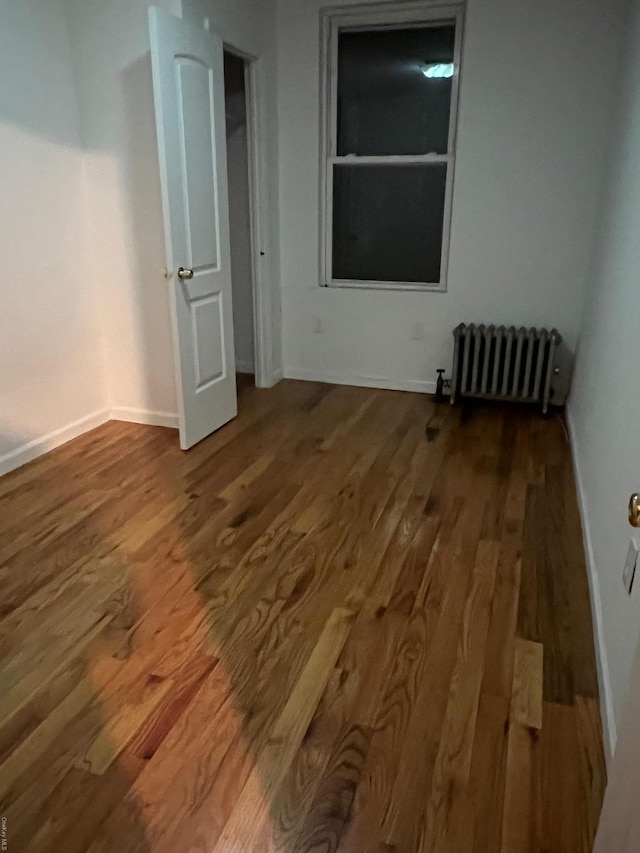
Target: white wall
column 112, row 63
column 537, row 79
column 605, row 403
column 110, row 41
column 51, row 359
column 619, row 827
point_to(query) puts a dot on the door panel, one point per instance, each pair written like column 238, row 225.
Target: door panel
column 198, row 163
column 207, row 316
column 188, row 78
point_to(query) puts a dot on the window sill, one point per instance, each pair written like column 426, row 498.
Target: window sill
column 348, row 284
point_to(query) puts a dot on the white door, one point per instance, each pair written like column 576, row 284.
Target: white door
column 188, row 83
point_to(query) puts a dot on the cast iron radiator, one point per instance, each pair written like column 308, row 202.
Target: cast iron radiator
column 500, row 363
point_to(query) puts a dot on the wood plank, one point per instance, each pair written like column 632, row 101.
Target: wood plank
column 445, row 606
column 445, row 811
column 592, row 773
column 559, row 775
column 293, row 802
column 532, row 565
column 252, row 809
column 520, row 823
column 330, row 810
column 488, row 775
column 526, row 697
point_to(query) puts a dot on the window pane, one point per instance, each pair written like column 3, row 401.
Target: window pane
column 387, row 222
column 394, row 90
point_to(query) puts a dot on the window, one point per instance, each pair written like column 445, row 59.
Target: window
column 389, row 99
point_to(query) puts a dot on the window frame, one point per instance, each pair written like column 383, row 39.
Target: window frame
column 389, row 15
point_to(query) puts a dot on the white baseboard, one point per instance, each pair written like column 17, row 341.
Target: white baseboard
column 420, row 386
column 144, row 416
column 245, row 367
column 38, row 446
column 602, row 660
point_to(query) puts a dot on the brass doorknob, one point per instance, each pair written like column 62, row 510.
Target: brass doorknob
column 185, row 275
column 634, row 510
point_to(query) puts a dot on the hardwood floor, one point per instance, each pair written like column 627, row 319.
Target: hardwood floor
column 325, row 628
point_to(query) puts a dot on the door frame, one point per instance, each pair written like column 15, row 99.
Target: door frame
column 262, row 333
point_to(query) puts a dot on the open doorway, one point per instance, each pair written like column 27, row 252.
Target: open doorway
column 240, row 215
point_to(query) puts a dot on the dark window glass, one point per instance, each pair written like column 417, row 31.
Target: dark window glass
column 394, row 95
column 387, row 222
